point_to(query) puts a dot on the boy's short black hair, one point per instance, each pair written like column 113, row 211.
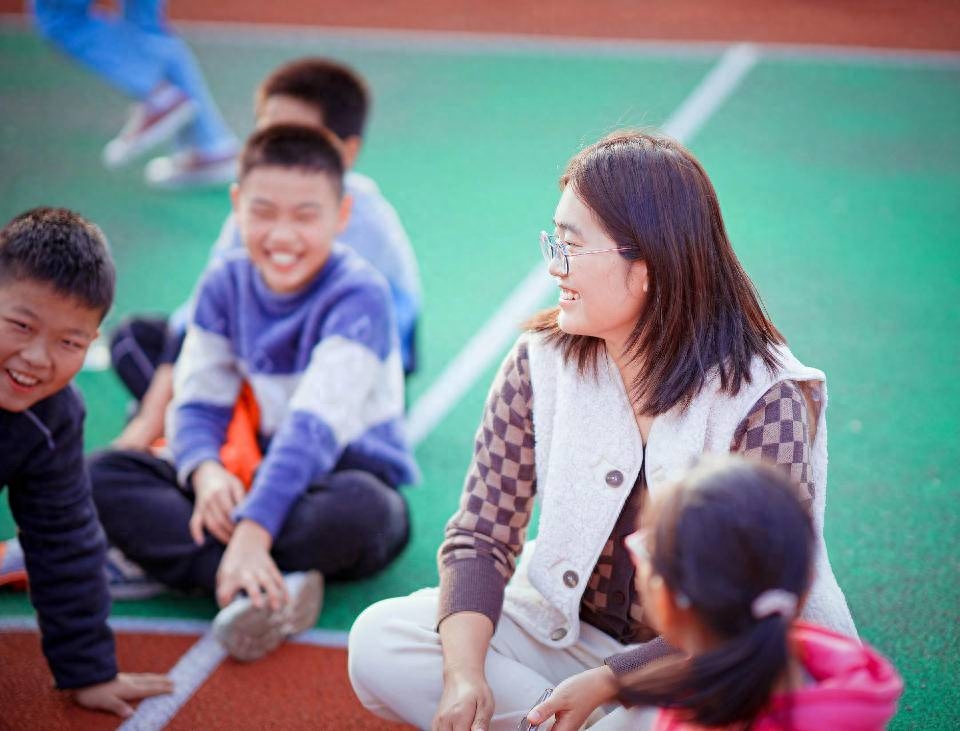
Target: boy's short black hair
column 339, row 94
column 59, row 247
column 293, row 146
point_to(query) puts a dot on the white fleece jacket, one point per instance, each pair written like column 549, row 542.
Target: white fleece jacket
column 588, row 455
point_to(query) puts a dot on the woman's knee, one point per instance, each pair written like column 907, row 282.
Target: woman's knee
column 369, row 659
column 386, row 641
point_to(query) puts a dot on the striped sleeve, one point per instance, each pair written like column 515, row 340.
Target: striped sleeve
column 206, row 381
column 340, row 396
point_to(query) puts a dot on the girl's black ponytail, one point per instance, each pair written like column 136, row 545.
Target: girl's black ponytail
column 734, row 541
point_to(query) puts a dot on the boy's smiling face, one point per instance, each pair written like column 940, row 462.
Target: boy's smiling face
column 288, row 219
column 44, row 337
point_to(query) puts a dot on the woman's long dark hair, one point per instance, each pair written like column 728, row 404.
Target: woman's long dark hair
column 730, row 531
column 703, row 312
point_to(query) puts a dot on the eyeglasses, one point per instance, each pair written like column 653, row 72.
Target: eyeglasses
column 555, row 249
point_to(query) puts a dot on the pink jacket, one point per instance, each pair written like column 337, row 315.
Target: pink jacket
column 855, row 689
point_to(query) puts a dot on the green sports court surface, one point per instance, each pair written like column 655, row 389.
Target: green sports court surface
column 839, row 178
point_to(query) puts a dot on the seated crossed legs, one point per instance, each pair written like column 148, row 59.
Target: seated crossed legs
column 348, row 525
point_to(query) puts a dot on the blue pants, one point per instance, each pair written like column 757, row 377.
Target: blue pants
column 133, row 53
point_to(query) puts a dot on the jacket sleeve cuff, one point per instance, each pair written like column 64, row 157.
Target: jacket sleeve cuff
column 627, row 662
column 260, row 511
column 74, row 683
column 188, row 464
column 470, row 585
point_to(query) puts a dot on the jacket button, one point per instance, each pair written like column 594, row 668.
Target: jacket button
column 558, row 634
column 570, row 578
column 618, row 598
column 614, row 478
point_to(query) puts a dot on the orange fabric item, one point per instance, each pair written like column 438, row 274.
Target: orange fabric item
column 240, row 452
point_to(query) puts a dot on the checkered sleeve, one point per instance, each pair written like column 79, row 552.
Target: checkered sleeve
column 777, row 431
column 485, row 536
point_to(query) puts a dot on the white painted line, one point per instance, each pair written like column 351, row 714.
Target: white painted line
column 190, row 672
column 321, row 638
column 495, row 336
column 476, row 356
column 520, row 44
column 713, row 91
column 297, row 37
column 18, row 624
column 139, row 625
column 162, row 626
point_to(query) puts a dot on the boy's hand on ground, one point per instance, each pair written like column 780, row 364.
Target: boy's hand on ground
column 576, row 698
column 217, row 493
column 112, row 696
column 246, row 565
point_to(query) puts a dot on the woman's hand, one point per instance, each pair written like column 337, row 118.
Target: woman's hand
column 217, row 493
column 466, row 703
column 246, row 565
column 576, row 698
column 113, row 695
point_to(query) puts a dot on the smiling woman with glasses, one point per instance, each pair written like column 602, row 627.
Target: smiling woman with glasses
column 657, row 352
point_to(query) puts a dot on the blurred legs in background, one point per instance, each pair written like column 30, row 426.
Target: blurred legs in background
column 137, row 54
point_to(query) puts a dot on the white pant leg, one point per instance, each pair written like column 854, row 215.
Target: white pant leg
column 396, row 664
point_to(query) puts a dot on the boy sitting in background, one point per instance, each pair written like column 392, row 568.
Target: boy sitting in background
column 313, row 92
column 56, row 284
column 307, row 325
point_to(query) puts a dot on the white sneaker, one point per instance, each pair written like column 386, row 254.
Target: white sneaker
column 149, row 125
column 191, row 168
column 248, row 633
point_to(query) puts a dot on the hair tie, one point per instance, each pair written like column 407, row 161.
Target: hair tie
column 774, row 601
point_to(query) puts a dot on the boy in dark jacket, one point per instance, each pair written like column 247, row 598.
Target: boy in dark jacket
column 56, row 284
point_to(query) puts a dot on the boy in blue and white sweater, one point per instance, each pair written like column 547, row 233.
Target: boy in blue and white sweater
column 310, row 91
column 308, row 325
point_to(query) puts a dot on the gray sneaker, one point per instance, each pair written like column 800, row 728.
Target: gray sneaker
column 248, row 633
column 148, row 127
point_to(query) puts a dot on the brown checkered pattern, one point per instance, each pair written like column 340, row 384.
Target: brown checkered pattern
column 485, row 536
column 777, row 431
column 491, row 523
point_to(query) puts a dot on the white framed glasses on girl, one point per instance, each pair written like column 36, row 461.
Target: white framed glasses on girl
column 555, row 249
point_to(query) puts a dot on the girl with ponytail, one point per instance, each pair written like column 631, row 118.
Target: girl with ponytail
column 723, row 563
